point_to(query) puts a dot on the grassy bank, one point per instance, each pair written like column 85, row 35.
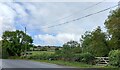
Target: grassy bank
column 60, row 62
column 68, row 64
column 74, row 64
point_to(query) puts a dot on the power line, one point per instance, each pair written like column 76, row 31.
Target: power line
column 78, row 11
column 83, row 17
column 73, row 13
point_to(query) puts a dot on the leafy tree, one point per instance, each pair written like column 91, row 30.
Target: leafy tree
column 95, row 43
column 112, row 24
column 99, row 43
column 72, row 43
column 16, row 42
column 72, row 47
column 86, row 41
column 66, row 52
column 69, row 49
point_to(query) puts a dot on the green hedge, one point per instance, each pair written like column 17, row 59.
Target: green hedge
column 82, row 57
column 85, row 58
column 44, row 56
column 114, row 58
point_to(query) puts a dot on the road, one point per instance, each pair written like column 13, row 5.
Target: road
column 8, row 63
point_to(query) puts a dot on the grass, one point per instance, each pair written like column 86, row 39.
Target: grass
column 42, row 52
column 67, row 63
column 64, row 63
column 73, row 64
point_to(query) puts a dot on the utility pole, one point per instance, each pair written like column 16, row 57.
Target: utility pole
column 119, row 4
column 25, row 30
column 25, row 44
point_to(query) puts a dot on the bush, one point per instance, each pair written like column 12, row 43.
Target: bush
column 77, row 58
column 5, row 54
column 87, row 58
column 84, row 57
column 43, row 56
column 114, row 58
column 55, row 57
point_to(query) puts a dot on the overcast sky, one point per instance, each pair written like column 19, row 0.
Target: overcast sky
column 37, row 16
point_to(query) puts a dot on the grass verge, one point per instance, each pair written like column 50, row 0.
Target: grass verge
column 74, row 64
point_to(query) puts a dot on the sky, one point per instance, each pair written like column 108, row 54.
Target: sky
column 38, row 16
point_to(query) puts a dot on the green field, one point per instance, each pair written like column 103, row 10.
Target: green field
column 42, row 52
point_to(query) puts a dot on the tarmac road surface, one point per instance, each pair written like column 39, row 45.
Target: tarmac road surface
column 8, row 63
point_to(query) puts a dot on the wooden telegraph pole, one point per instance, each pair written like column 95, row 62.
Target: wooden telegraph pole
column 119, row 4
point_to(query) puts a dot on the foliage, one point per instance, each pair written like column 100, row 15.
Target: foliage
column 95, row 42
column 43, row 56
column 112, row 24
column 69, row 49
column 114, row 58
column 15, row 42
column 70, row 53
column 84, row 57
column 78, row 65
column 5, row 54
column 72, row 44
column 40, row 55
column 86, row 42
column 87, row 58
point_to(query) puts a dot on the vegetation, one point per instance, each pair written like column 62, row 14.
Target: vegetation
column 113, row 27
column 15, row 42
column 93, row 44
column 76, row 64
column 42, row 52
column 114, row 57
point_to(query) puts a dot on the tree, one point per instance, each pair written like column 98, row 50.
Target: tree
column 16, row 42
column 72, row 43
column 99, row 43
column 95, row 43
column 112, row 24
column 86, row 41
column 69, row 49
column 73, row 46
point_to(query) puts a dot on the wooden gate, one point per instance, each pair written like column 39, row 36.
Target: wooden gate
column 102, row 60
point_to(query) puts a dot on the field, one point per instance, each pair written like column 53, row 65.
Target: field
column 42, row 52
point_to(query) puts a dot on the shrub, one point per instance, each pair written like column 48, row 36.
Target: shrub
column 44, row 56
column 55, row 56
column 114, row 58
column 83, row 57
column 77, row 58
column 5, row 54
column 87, row 58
